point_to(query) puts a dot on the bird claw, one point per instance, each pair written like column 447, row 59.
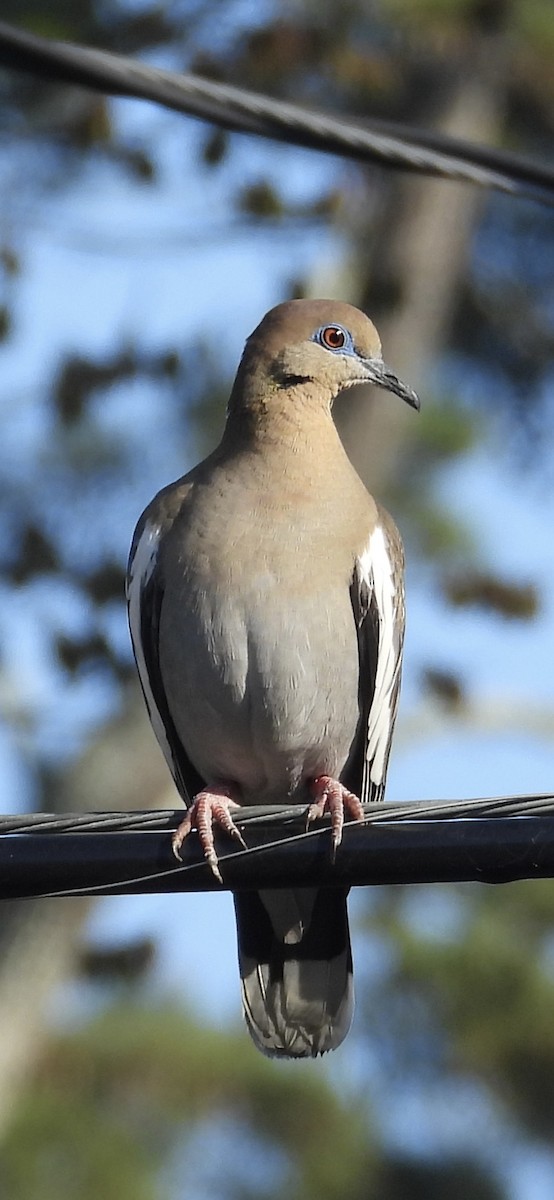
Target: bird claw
column 333, row 798
column 210, row 807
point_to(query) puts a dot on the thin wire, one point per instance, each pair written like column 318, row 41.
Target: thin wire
column 249, row 112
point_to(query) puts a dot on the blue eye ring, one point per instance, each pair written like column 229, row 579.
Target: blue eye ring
column 334, row 337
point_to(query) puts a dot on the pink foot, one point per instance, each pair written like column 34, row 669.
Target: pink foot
column 210, row 807
column 332, row 797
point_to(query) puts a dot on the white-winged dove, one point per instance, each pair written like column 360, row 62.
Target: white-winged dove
column 266, row 606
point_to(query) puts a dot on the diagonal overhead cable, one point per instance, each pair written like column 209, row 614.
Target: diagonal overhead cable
column 249, row 112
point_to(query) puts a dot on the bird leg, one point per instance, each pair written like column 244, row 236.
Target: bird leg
column 210, row 807
column 332, row 797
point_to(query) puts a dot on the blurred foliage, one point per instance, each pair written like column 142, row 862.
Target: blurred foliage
column 112, row 1102
column 118, row 1103
column 58, row 1145
column 79, row 377
column 444, row 432
column 483, row 990
column 456, row 1179
column 124, row 963
column 74, row 653
column 117, row 1106
column 517, row 601
column 35, row 556
column 445, row 687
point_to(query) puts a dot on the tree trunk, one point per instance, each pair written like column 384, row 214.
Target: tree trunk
column 423, row 259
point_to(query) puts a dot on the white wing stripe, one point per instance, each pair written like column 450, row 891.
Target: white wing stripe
column 141, row 567
column 376, row 570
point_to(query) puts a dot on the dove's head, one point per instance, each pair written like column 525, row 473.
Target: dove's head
column 305, row 352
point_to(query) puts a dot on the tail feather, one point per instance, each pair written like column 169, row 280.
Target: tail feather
column 296, row 969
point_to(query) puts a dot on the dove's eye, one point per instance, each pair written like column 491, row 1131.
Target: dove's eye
column 334, row 337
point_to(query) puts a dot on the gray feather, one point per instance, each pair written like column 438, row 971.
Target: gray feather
column 296, row 970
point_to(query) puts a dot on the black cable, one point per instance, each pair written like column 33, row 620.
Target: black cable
column 248, row 112
column 492, row 840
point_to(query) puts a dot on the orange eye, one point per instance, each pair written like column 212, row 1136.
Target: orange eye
column 333, row 337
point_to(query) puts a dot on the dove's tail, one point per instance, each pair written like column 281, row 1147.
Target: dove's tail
column 296, row 969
